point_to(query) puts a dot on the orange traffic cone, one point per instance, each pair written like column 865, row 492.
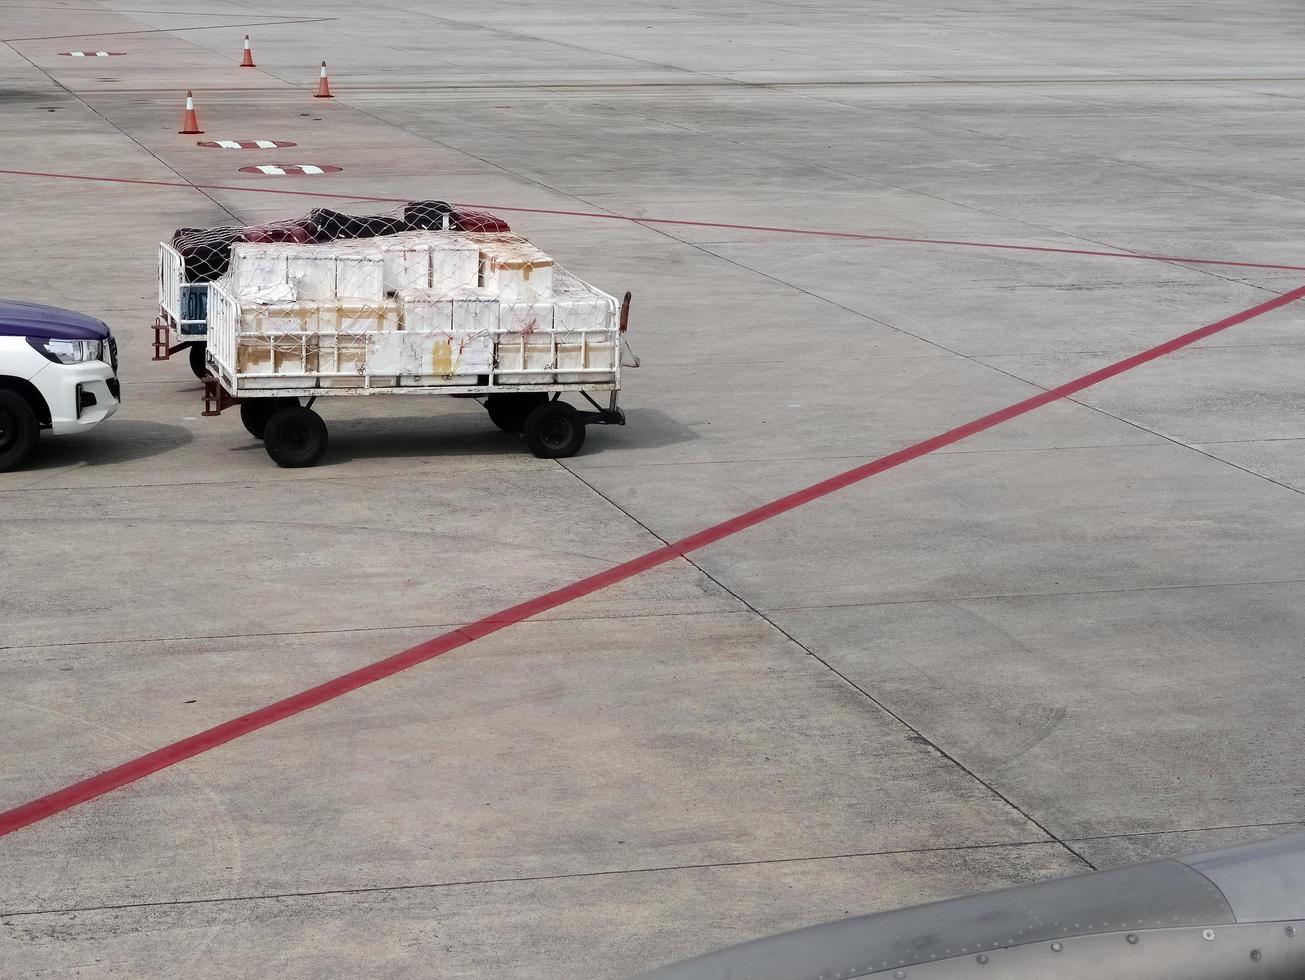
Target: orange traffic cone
column 248, row 60
column 323, row 86
column 190, row 122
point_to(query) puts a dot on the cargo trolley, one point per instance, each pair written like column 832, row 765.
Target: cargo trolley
column 522, row 391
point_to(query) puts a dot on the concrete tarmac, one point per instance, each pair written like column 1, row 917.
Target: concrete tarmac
column 1070, row 641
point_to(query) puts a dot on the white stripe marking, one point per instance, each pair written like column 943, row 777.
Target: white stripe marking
column 228, row 144
column 308, row 168
column 268, row 168
column 265, row 144
column 78, row 54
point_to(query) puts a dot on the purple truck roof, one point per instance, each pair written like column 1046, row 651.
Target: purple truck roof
column 19, row 319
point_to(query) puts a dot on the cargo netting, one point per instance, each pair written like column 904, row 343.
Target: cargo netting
column 425, row 295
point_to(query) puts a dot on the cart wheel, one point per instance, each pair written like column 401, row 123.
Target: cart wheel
column 295, row 436
column 198, row 365
column 257, row 412
column 19, row 431
column 554, row 431
column 509, row 412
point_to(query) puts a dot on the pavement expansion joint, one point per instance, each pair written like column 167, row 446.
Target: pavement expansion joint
column 515, row 879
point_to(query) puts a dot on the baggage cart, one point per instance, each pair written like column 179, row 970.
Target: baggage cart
column 182, row 322
column 521, row 389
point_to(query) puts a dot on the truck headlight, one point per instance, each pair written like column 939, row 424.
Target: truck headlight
column 68, row 351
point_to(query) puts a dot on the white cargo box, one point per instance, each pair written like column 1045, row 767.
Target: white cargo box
column 430, row 358
column 360, row 275
column 255, row 268
column 513, row 331
column 514, row 268
column 310, row 269
column 422, row 260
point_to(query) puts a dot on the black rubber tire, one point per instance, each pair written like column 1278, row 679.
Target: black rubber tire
column 295, row 437
column 509, row 411
column 19, row 431
column 198, row 364
column 257, row 412
column 554, row 431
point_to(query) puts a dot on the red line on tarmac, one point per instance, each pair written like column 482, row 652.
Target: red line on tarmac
column 685, row 222
column 169, row 755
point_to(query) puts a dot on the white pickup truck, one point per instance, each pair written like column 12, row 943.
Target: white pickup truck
column 58, row 374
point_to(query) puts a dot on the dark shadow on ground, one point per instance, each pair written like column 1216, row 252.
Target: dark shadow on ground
column 473, row 434
column 112, row 441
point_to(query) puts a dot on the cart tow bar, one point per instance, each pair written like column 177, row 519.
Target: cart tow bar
column 162, row 330
column 216, row 399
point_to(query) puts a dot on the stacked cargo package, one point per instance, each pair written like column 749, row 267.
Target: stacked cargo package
column 417, row 308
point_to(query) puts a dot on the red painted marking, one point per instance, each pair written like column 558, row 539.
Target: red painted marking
column 92, row 54
column 851, row 235
column 245, row 144
column 187, row 748
column 291, row 169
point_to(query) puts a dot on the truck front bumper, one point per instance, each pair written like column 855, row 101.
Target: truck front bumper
column 79, row 396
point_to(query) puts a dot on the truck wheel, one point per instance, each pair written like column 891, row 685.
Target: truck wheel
column 554, row 431
column 509, row 411
column 19, row 431
column 295, row 436
column 198, row 366
column 257, row 412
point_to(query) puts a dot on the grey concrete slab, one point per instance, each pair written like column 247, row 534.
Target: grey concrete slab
column 967, row 524
column 555, row 748
column 1181, row 718
column 1107, row 852
column 285, row 556
column 1213, row 394
column 1279, row 460
column 600, row 926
